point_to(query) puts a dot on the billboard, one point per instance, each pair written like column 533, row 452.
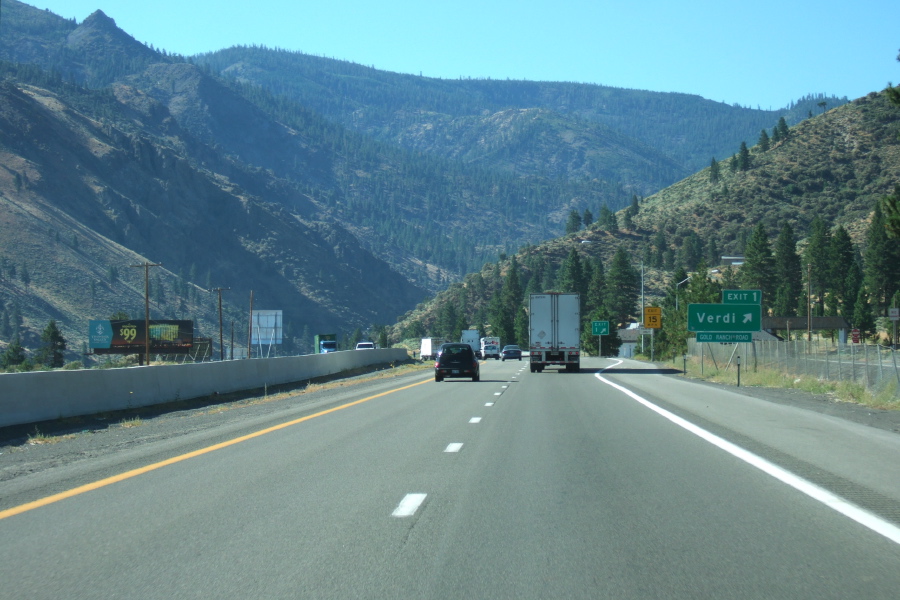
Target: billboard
column 265, row 327
column 130, row 337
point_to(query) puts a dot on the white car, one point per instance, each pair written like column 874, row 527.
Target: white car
column 365, row 346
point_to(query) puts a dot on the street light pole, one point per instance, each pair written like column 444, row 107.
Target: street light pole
column 677, row 285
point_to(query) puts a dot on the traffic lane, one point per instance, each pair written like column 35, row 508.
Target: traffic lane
column 801, row 439
column 295, row 509
column 87, row 459
column 577, row 491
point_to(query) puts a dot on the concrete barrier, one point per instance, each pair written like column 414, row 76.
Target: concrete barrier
column 47, row 395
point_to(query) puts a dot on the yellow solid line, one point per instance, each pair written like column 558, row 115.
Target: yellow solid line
column 176, row 459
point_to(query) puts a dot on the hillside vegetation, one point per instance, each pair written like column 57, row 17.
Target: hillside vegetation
column 819, row 183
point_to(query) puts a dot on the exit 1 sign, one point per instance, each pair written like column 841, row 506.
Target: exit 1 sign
column 741, row 297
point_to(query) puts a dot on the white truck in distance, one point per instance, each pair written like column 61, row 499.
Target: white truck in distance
column 555, row 331
column 429, row 348
column 490, row 347
column 470, row 337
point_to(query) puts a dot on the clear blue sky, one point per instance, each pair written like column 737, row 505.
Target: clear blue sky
column 762, row 53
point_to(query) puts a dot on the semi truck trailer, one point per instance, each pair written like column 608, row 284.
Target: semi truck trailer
column 555, row 331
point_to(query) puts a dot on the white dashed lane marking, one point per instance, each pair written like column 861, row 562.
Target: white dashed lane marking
column 475, row 420
column 454, row 447
column 409, row 505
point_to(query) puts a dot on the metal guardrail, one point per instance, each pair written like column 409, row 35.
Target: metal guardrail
column 876, row 367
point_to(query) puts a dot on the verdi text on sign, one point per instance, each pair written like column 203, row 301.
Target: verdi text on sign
column 724, row 317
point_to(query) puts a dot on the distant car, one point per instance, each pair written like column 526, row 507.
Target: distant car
column 511, row 352
column 365, row 346
column 457, row 360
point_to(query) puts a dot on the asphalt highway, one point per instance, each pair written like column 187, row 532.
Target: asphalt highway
column 621, row 481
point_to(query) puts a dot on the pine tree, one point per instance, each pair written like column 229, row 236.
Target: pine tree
column 503, row 312
column 691, row 252
column 817, row 258
column 715, row 172
column 521, row 329
column 587, row 218
column 863, row 319
column 763, row 142
column 744, row 157
column 776, row 135
column 712, row 252
column 14, row 354
column 573, row 224
column 882, row 262
column 622, row 288
column 758, row 270
column 788, row 273
column 571, row 275
column 783, row 131
column 607, row 219
column 593, row 300
column 659, row 248
column 890, row 206
column 54, row 344
column 844, row 260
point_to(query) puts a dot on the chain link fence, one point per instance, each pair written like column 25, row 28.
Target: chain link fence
column 876, row 367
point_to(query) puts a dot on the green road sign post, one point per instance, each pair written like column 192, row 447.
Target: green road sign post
column 729, row 318
column 741, row 297
column 599, row 328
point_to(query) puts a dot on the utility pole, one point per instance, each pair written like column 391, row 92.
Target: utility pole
column 221, row 344
column 808, row 303
column 250, row 329
column 146, row 266
column 642, row 305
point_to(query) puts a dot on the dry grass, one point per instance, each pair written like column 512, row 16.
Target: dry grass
column 132, row 422
column 39, row 438
column 843, row 391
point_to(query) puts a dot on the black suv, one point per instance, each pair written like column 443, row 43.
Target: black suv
column 456, row 360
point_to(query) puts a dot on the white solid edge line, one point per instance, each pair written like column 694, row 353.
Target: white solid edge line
column 409, row 505
column 453, row 447
column 833, row 501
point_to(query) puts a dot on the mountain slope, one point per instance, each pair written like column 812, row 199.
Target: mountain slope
column 686, row 128
column 89, row 197
column 836, row 166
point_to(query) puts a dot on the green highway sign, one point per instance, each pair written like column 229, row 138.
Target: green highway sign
column 725, row 337
column 741, row 297
column 599, row 327
column 730, row 318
